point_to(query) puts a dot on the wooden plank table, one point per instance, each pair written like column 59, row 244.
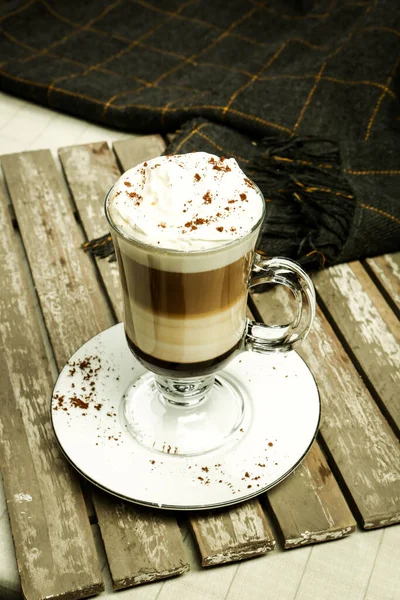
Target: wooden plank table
column 351, row 474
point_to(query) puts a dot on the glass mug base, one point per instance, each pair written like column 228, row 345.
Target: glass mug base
column 206, row 415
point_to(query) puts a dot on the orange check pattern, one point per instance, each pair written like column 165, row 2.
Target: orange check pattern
column 328, row 68
column 148, row 65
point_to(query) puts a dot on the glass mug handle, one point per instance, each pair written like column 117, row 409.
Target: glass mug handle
column 266, row 338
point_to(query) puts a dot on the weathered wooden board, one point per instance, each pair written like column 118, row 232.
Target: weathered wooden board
column 150, row 540
column 361, row 444
column 214, row 545
column 309, row 505
column 133, row 151
column 239, row 533
column 386, row 269
column 74, row 309
column 369, row 326
column 53, row 542
column 90, row 171
column 73, row 306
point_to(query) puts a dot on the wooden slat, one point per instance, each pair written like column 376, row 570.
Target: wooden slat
column 213, row 544
column 73, row 306
column 357, row 436
column 150, row 540
column 369, row 326
column 386, row 268
column 131, row 154
column 236, row 534
column 74, row 309
column 90, row 171
column 309, row 505
column 53, row 542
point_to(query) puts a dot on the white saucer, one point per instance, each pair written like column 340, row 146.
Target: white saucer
column 278, row 429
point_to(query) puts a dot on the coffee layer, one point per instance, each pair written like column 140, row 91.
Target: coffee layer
column 168, row 368
column 184, row 339
column 187, row 295
column 186, row 262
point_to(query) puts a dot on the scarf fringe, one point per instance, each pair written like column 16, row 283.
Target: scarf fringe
column 101, row 247
column 310, row 205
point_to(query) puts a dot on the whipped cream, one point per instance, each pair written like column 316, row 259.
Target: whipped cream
column 186, row 202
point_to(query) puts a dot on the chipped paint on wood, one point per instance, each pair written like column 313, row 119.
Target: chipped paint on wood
column 234, row 534
column 369, row 327
column 309, row 504
column 310, row 500
column 387, row 270
column 65, row 277
column 150, row 540
column 311, row 538
column 133, row 151
column 91, row 170
column 358, row 437
column 74, row 309
column 54, row 546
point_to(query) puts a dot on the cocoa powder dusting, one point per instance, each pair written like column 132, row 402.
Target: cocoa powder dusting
column 248, row 182
column 207, row 198
column 75, row 401
column 219, row 229
column 136, row 196
column 224, row 168
column 197, row 177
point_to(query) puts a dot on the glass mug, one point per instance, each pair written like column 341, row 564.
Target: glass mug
column 185, row 320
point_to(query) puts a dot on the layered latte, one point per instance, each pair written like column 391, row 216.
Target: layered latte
column 184, row 229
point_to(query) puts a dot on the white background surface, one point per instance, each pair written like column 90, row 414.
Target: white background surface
column 364, row 566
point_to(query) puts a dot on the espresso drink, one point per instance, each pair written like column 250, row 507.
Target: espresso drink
column 184, row 232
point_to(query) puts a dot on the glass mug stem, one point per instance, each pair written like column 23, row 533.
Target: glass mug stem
column 185, row 393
